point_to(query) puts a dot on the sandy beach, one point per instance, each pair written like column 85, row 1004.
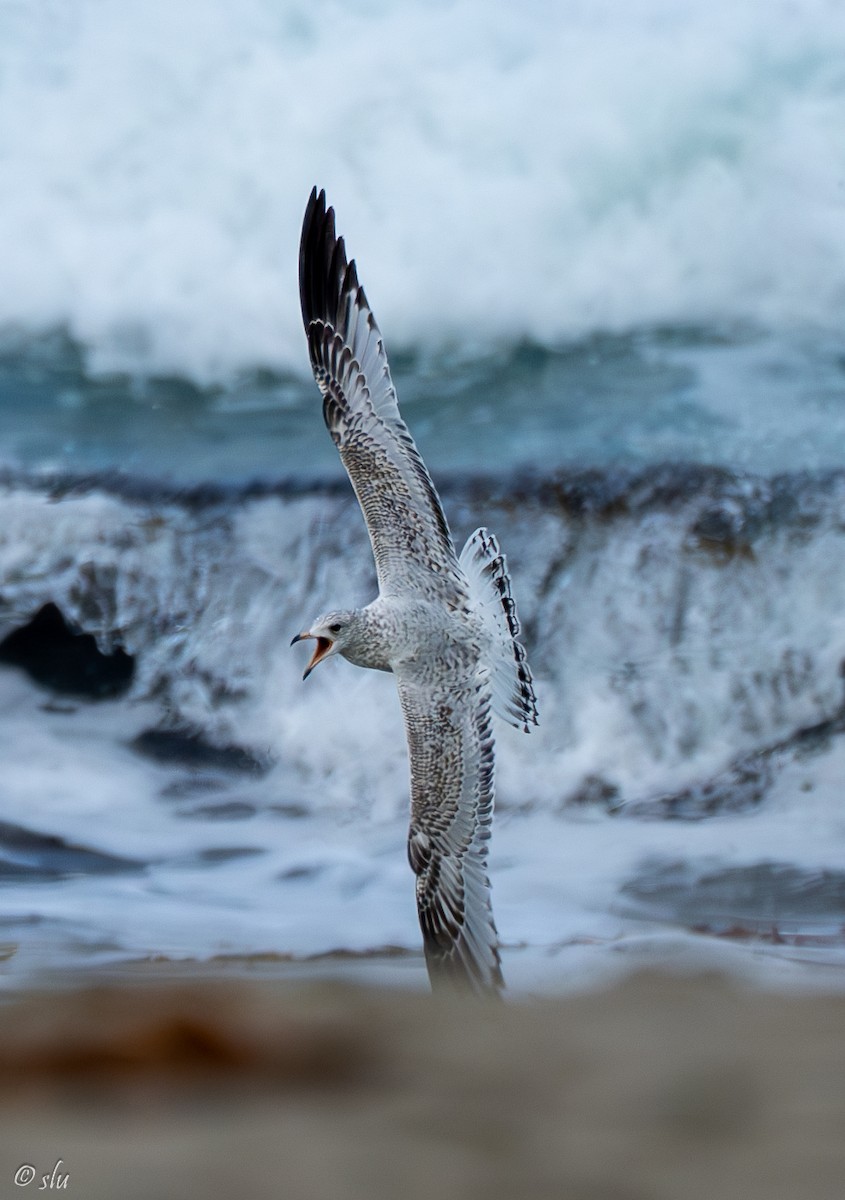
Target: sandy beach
column 661, row 1086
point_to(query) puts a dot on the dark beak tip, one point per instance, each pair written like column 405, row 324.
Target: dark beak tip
column 323, row 646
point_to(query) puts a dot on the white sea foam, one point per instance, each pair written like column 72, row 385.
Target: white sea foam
column 311, row 885
column 658, row 661
column 499, row 172
column 666, row 642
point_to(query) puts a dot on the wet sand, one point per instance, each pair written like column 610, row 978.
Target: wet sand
column 683, row 1088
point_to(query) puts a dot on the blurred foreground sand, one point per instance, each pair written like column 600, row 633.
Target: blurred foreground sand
column 683, row 1088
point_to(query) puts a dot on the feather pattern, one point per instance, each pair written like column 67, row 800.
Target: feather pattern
column 410, row 536
column 446, row 628
column 451, row 751
column 486, row 570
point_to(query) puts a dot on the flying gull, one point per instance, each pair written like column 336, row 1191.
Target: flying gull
column 446, row 626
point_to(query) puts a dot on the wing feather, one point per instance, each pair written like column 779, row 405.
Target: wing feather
column 451, row 751
column 410, row 536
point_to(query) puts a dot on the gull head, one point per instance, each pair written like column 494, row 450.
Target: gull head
column 334, row 633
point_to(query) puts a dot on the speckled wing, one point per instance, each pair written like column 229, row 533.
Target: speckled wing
column 451, row 751
column 411, row 542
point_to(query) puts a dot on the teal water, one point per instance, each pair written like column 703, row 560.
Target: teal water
column 740, row 399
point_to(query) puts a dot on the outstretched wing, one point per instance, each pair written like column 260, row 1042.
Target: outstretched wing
column 451, row 751
column 410, row 537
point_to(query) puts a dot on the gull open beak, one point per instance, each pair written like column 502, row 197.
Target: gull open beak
column 324, row 645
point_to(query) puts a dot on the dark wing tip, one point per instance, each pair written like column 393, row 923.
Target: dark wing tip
column 326, row 277
column 313, row 225
column 461, row 947
column 456, row 969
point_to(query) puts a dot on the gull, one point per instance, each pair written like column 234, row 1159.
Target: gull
column 445, row 626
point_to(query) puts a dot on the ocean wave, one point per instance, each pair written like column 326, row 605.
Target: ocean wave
column 174, row 788
column 677, row 619
column 500, row 174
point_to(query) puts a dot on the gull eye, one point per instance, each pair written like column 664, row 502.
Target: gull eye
column 334, row 628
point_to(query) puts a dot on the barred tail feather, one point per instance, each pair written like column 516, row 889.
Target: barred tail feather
column 486, row 570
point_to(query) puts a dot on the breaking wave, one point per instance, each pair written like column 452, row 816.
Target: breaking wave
column 678, row 620
column 543, row 172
